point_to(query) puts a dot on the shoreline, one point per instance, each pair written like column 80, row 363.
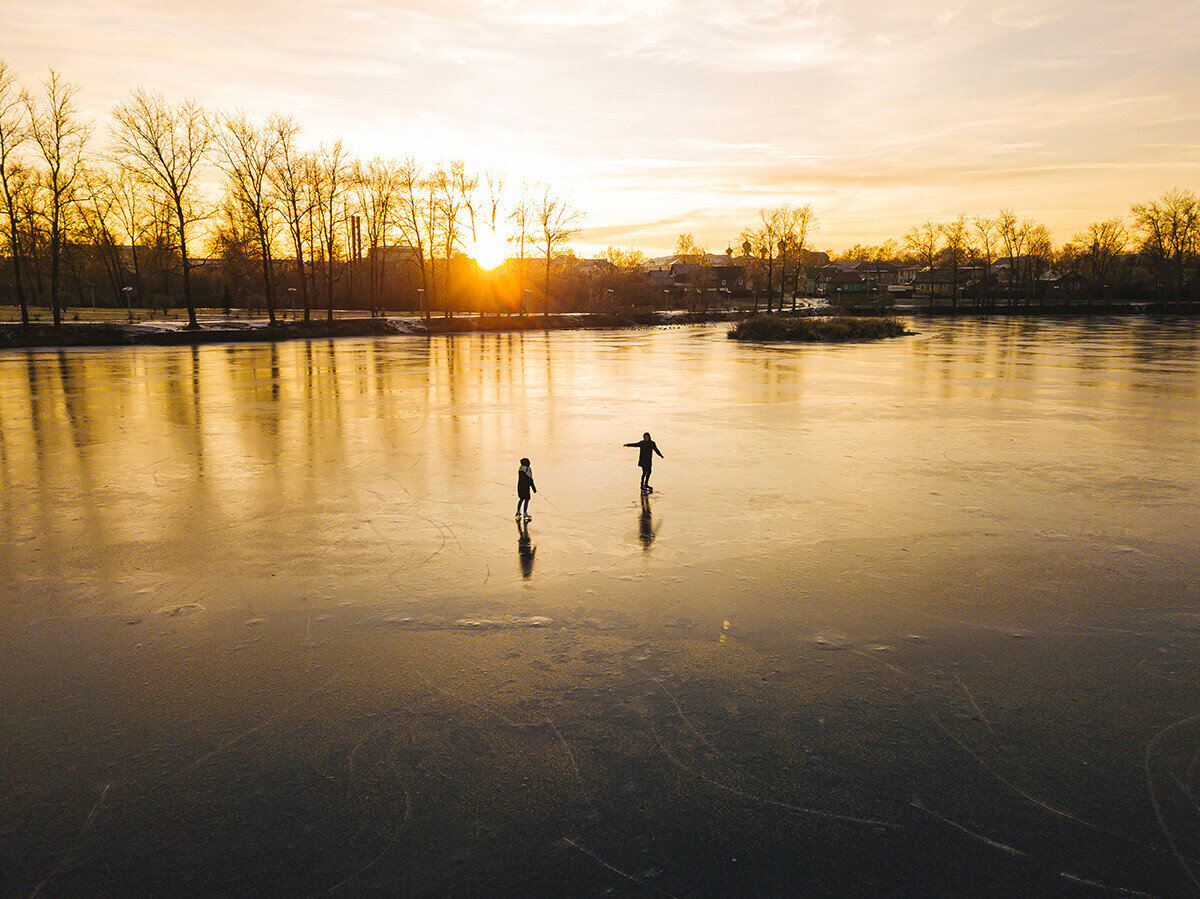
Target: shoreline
column 43, row 335
column 74, row 334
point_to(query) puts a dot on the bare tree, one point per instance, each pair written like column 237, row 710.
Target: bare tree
column 135, row 216
column 100, row 225
column 466, row 185
column 624, row 260
column 1099, row 245
column 162, row 251
column 1040, row 253
column 14, row 131
column 233, row 241
column 923, row 242
column 870, row 252
column 1169, row 231
column 455, row 196
column 957, row 238
column 248, row 152
column 288, row 181
column 557, row 221
column 429, row 213
column 61, row 138
column 1015, row 236
column 985, row 232
column 412, row 223
column 781, row 235
column 34, row 237
column 763, row 240
column 700, row 276
column 167, row 146
column 495, row 191
column 328, row 180
column 795, row 224
column 376, row 190
column 522, row 219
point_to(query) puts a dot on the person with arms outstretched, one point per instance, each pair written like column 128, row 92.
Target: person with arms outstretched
column 646, row 450
column 524, row 486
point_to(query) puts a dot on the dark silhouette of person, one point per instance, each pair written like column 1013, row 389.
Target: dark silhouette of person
column 524, row 486
column 646, row 450
column 647, row 529
column 525, row 549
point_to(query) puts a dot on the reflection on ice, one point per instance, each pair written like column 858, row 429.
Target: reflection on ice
column 526, row 549
column 647, row 526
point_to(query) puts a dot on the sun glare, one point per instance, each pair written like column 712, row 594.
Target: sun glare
column 490, row 250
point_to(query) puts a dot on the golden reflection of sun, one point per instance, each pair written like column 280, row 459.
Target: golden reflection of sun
column 489, row 250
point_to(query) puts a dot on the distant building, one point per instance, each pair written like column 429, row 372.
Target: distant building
column 834, row 281
column 878, row 272
column 594, row 268
column 717, row 271
column 394, row 256
column 1060, row 287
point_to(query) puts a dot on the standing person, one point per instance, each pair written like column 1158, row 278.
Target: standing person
column 647, row 448
column 524, row 486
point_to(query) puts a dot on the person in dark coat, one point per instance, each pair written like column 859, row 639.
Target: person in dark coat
column 524, row 486
column 646, row 450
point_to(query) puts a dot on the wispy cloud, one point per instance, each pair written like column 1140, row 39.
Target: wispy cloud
column 651, row 112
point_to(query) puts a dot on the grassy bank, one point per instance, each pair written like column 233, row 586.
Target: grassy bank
column 833, row 329
column 114, row 331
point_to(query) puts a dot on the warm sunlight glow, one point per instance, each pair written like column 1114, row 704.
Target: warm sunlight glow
column 953, row 129
column 490, row 250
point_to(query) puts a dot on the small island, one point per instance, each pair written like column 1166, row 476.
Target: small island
column 823, row 329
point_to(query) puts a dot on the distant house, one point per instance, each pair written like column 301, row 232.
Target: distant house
column 833, row 280
column 945, row 282
column 1019, row 266
column 717, row 271
column 594, row 268
column 879, row 272
column 1060, row 287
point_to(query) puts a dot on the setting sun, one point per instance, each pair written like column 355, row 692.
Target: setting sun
column 489, row 250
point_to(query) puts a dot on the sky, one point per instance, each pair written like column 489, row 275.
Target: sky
column 660, row 117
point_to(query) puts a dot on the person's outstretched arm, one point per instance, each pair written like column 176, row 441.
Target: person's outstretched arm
column 633, row 444
column 657, row 450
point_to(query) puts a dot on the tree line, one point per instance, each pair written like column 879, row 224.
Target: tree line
column 1150, row 253
column 128, row 211
column 129, row 214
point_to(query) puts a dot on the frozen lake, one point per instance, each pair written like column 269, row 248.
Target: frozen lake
column 921, row 615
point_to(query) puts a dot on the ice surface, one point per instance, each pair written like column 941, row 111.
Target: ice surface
column 268, row 626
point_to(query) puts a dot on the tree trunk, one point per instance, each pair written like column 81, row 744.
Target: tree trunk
column 55, row 250
column 187, row 267
column 268, row 290
column 16, row 265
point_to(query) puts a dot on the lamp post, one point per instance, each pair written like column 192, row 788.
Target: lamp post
column 128, row 291
column 766, row 252
column 421, row 300
column 782, row 271
column 292, row 291
column 746, row 256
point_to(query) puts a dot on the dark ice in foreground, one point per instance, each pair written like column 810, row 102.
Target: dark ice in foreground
column 905, row 618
